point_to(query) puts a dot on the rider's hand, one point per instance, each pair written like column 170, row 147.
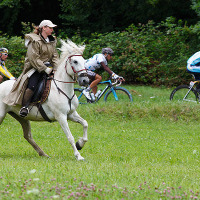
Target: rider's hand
column 48, row 70
column 114, row 76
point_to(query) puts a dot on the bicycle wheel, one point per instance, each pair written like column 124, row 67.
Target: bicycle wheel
column 181, row 93
column 122, row 95
column 81, row 97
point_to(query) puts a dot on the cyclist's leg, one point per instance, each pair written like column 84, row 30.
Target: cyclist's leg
column 197, row 78
column 86, row 91
column 195, row 70
column 94, row 83
column 94, row 80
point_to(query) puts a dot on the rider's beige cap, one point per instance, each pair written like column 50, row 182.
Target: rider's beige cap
column 47, row 23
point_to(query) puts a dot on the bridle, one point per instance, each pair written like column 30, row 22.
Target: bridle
column 69, row 58
column 75, row 72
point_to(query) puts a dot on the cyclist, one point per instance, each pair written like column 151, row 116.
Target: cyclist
column 4, row 71
column 99, row 60
column 193, row 66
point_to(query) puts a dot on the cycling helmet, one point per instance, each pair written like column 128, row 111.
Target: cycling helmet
column 107, row 50
column 3, row 50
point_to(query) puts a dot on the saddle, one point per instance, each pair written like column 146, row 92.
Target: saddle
column 41, row 94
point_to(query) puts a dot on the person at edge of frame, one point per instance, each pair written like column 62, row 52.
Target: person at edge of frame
column 193, row 67
column 4, row 71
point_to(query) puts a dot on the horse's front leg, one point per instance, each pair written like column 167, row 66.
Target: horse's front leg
column 62, row 119
column 75, row 117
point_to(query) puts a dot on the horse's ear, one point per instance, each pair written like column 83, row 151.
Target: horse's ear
column 82, row 48
column 63, row 47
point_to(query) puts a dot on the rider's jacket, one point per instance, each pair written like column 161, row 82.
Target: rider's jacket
column 4, row 70
column 94, row 63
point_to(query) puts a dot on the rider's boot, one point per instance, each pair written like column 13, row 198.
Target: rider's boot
column 25, row 102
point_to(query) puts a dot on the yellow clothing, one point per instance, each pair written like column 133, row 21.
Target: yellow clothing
column 4, row 70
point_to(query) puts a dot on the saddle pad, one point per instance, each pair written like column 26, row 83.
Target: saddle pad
column 45, row 94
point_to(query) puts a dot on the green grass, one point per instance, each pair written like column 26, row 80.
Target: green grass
column 148, row 149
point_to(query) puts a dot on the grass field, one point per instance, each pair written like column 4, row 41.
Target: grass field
column 148, row 149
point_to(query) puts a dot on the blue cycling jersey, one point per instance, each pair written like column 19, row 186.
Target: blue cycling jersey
column 193, row 63
column 195, row 59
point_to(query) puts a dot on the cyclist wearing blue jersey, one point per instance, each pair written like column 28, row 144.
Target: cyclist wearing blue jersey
column 193, row 66
column 98, row 61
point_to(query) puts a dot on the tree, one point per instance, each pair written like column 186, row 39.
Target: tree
column 13, row 12
column 105, row 16
column 91, row 16
column 196, row 6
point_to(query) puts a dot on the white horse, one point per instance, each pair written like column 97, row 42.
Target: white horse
column 61, row 103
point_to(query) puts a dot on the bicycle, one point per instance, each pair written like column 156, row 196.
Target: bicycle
column 114, row 93
column 186, row 93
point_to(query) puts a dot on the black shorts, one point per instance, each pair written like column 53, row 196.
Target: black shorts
column 91, row 75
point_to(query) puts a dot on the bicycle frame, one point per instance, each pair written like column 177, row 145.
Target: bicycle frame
column 109, row 86
column 191, row 95
column 192, row 83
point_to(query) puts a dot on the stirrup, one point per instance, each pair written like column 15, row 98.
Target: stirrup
column 23, row 111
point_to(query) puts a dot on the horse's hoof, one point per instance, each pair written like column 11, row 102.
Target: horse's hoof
column 78, row 146
column 79, row 158
column 44, row 155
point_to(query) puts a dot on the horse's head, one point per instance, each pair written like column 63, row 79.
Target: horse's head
column 77, row 65
column 74, row 61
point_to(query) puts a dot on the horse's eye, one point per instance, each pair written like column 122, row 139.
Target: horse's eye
column 75, row 62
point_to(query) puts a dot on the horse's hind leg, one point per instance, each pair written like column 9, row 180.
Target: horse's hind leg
column 27, row 133
column 2, row 112
column 75, row 117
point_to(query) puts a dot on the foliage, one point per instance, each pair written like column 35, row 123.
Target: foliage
column 88, row 17
column 96, row 16
column 149, row 54
column 196, row 6
column 13, row 12
column 152, row 54
column 17, row 51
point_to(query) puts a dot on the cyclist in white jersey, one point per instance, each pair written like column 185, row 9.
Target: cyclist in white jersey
column 98, row 61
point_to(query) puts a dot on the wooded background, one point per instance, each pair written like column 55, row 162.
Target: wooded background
column 152, row 39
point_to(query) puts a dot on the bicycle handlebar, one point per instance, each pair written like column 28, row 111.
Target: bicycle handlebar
column 118, row 81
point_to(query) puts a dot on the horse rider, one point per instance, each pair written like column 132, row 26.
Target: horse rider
column 99, row 60
column 4, row 71
column 42, row 57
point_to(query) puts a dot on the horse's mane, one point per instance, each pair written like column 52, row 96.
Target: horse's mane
column 69, row 48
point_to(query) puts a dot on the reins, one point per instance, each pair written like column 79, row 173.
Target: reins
column 75, row 72
column 63, row 81
column 69, row 99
